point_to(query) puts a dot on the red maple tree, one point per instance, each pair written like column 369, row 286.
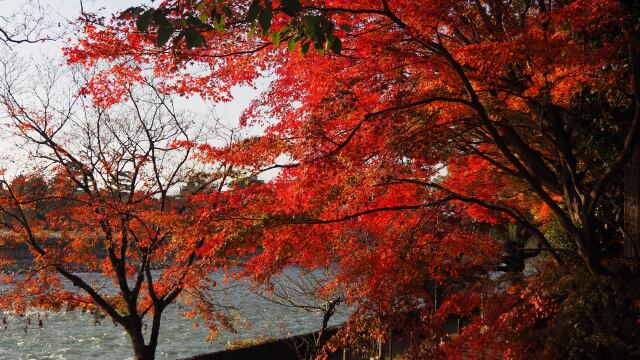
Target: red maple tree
column 411, row 133
column 103, row 197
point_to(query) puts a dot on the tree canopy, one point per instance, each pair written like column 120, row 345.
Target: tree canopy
column 415, row 142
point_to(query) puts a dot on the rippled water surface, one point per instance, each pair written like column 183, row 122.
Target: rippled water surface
column 74, row 335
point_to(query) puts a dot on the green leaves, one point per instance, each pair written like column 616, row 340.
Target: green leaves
column 189, row 25
column 227, row 11
column 142, row 23
column 133, row 11
column 146, row 17
column 346, row 28
column 193, row 38
column 164, row 34
column 263, row 15
column 291, row 44
column 277, row 36
column 165, row 29
column 160, row 19
column 254, row 10
column 336, row 45
column 219, row 23
column 305, row 48
column 311, row 24
column 320, row 31
column 291, row 7
column 304, row 28
column 264, row 18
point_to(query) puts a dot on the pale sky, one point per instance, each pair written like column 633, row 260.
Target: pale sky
column 59, row 14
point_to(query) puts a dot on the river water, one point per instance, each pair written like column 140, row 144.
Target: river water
column 76, row 335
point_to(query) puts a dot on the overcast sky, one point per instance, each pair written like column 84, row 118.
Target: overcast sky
column 60, row 15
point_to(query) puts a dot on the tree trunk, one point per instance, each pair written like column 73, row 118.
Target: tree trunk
column 632, row 207
column 140, row 349
column 588, row 250
column 145, row 353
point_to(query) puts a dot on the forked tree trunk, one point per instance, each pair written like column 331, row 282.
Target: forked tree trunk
column 582, row 232
column 588, row 247
column 141, row 350
column 145, row 353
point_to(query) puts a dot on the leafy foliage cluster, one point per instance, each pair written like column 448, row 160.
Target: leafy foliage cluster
column 419, row 146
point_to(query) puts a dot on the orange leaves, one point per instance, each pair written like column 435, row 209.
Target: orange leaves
column 110, row 87
column 400, row 152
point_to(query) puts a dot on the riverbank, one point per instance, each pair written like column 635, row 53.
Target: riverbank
column 297, row 347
